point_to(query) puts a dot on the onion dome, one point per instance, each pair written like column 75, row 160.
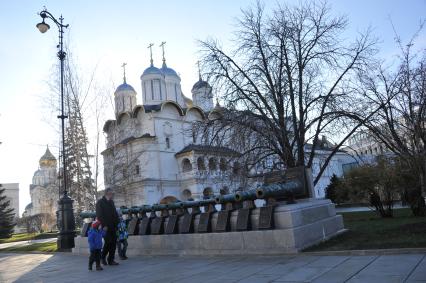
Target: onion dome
column 168, row 71
column 48, row 159
column 218, row 107
column 188, row 101
column 200, row 84
column 151, row 70
column 124, row 87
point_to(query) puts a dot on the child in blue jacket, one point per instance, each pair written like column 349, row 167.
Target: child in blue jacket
column 122, row 236
column 95, row 244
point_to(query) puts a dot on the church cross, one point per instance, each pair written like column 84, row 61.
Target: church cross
column 124, row 71
column 150, row 52
column 162, row 47
column 199, row 70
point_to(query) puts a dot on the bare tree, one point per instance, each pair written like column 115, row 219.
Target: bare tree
column 400, row 124
column 289, row 79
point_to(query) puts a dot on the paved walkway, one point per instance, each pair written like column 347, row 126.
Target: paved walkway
column 26, row 243
column 301, row 268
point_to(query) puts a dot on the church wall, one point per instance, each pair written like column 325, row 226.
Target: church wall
column 144, row 124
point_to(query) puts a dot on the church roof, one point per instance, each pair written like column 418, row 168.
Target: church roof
column 151, row 70
column 200, row 84
column 47, row 155
column 207, row 149
column 124, row 87
column 168, row 71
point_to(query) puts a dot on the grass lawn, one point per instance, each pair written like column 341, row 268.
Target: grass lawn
column 39, row 247
column 28, row 236
column 369, row 231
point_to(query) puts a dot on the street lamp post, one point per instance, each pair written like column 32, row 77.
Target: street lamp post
column 65, row 213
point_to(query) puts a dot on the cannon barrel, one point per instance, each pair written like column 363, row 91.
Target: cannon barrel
column 174, row 205
column 87, row 214
column 189, row 204
column 132, row 210
column 225, row 198
column 279, row 190
column 158, row 207
column 247, row 195
column 205, row 202
column 145, row 208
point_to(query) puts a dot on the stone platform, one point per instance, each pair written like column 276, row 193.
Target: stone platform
column 297, row 226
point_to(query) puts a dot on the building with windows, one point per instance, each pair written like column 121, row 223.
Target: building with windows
column 365, row 147
column 153, row 154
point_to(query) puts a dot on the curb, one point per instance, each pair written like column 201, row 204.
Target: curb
column 370, row 252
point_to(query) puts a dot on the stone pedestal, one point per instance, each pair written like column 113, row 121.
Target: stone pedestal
column 297, row 226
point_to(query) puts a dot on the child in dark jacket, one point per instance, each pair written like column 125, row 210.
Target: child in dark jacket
column 122, row 236
column 95, row 235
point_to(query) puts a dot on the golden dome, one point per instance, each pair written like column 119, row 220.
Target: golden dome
column 188, row 102
column 47, row 159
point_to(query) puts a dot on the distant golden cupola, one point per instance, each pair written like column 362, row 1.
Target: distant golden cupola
column 48, row 159
column 188, row 102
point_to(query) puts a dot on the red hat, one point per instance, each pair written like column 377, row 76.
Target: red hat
column 96, row 223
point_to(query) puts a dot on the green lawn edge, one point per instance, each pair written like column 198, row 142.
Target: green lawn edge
column 367, row 231
column 28, row 236
column 35, row 247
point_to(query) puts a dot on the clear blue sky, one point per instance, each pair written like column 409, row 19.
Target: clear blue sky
column 107, row 33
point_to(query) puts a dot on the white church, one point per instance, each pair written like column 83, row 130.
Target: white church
column 153, row 155
column 44, row 191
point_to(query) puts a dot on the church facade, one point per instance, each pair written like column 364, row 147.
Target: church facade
column 44, row 191
column 152, row 154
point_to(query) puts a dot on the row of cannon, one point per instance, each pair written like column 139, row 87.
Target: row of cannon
column 173, row 216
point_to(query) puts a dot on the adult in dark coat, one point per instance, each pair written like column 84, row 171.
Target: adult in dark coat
column 107, row 214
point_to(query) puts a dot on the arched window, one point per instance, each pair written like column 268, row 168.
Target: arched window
column 222, row 164
column 167, row 142
column 186, row 165
column 200, row 164
column 212, row 164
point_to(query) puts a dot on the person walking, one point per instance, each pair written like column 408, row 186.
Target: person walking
column 107, row 215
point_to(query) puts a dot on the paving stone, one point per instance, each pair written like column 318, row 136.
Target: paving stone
column 304, row 274
column 259, row 278
column 62, row 268
column 419, row 274
column 288, row 265
column 345, row 270
column 389, row 268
